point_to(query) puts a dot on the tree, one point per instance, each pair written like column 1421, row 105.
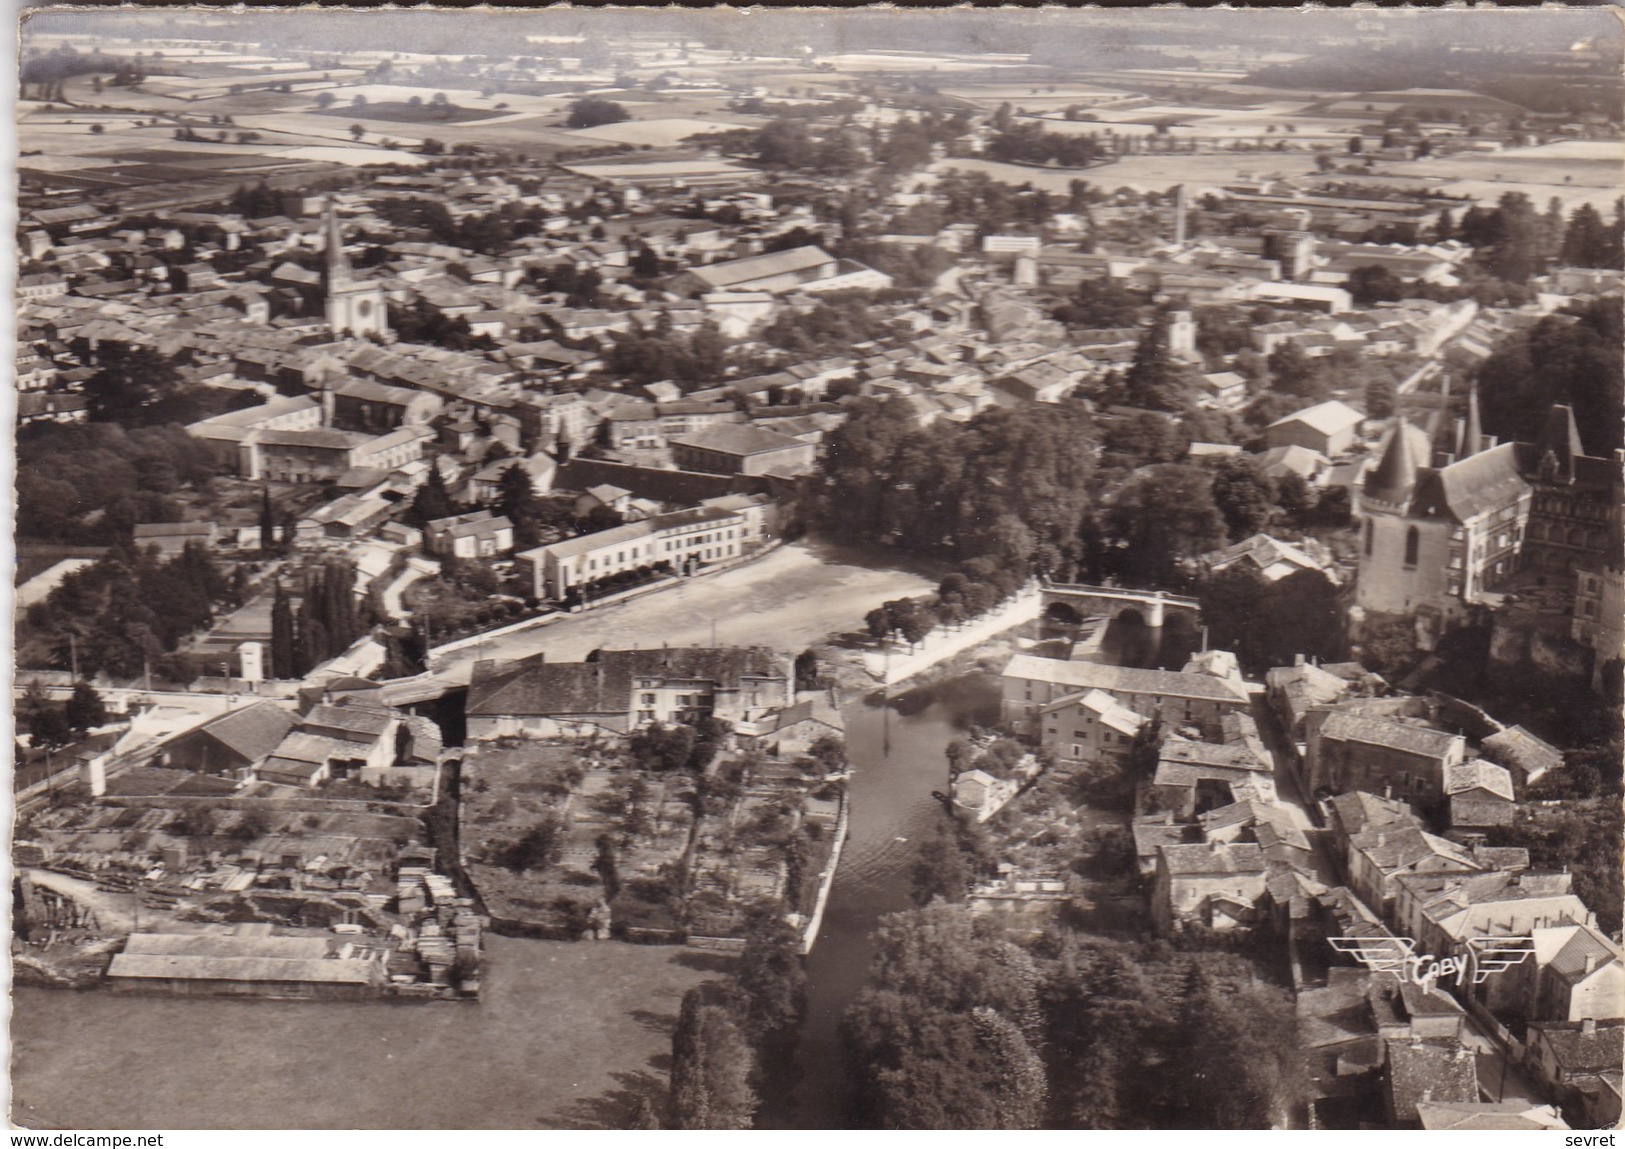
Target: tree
column 1149, row 381
column 356, row 132
column 1244, row 494
column 1162, row 518
column 1293, row 373
column 324, row 100
column 605, row 866
column 284, row 657
column 1379, row 398
column 84, row 708
column 267, row 521
column 942, row 1035
column 938, row 870
column 1371, row 284
column 772, row 982
column 594, row 112
column 538, row 848
column 806, row 668
column 711, row 1066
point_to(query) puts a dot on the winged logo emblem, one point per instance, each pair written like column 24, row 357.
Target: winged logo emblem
column 1481, row 957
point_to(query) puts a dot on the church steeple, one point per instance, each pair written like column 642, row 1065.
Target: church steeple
column 1394, row 479
column 355, row 308
column 338, row 264
column 1472, row 439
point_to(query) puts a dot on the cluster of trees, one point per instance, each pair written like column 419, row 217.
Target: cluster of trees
column 1266, row 624
column 1515, row 241
column 1566, row 358
column 733, row 1038
column 595, row 112
column 1101, row 303
column 792, row 144
column 992, row 205
column 1029, row 143
column 694, row 360
column 138, row 387
column 91, row 483
column 327, row 620
column 486, row 233
column 422, row 322
column 126, row 610
column 1581, row 836
column 830, row 327
column 678, row 746
column 945, row 1033
column 1145, row 1038
column 1011, row 485
column 51, row 726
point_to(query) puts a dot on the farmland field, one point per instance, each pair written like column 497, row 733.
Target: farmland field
column 405, row 113
column 1572, row 171
column 1148, row 173
column 657, row 133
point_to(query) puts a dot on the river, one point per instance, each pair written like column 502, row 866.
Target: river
column 898, row 753
column 103, row 1060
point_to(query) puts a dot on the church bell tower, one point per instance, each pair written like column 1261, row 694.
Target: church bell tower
column 354, row 309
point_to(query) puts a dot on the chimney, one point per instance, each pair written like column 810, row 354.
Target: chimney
column 1588, row 1025
column 1427, row 1094
column 1591, row 963
column 1297, row 660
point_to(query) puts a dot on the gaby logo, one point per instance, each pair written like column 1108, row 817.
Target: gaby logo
column 1398, row 956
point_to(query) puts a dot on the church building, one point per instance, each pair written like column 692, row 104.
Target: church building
column 1436, row 538
column 355, row 308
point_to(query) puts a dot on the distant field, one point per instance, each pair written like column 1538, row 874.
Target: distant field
column 656, row 133
column 1573, row 171
column 1147, row 173
column 405, row 113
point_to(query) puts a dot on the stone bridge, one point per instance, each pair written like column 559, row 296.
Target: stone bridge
column 1070, row 603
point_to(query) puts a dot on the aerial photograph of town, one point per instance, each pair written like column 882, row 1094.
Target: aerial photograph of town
column 615, row 569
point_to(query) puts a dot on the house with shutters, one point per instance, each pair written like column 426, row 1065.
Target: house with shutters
column 1394, row 755
column 1088, row 726
column 1213, row 884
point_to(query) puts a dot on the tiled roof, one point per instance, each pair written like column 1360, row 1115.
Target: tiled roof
column 1214, row 858
column 1483, row 482
column 1577, row 1051
column 604, row 686
column 1587, row 943
column 1344, row 727
column 736, row 439
column 1436, row 1072
column 1123, row 679
column 1478, row 775
column 252, row 732
column 1328, row 418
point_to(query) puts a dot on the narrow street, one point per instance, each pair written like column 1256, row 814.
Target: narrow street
column 1286, row 786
